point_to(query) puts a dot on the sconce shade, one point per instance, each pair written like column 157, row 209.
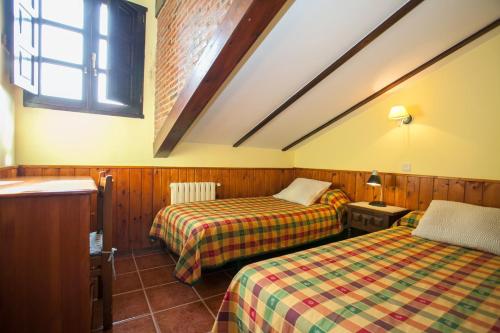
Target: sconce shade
column 399, row 112
column 374, row 179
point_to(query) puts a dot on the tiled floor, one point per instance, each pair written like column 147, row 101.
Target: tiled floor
column 147, row 298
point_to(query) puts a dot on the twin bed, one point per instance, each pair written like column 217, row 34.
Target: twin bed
column 384, row 281
column 208, row 234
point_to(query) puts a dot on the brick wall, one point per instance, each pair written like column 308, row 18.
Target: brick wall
column 184, row 29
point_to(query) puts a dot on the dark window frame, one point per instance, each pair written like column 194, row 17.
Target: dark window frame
column 91, row 36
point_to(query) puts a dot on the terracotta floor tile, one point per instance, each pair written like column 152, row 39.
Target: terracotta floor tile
column 153, row 260
column 213, row 284
column 141, row 325
column 129, row 305
column 167, row 296
column 123, row 253
column 214, row 303
column 147, row 251
column 124, row 265
column 126, row 282
column 191, row 318
column 155, row 276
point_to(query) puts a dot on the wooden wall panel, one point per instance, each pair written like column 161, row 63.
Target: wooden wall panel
column 33, row 172
column 441, row 188
column 157, row 203
column 135, row 206
column 491, row 194
column 66, row 172
column 140, row 192
column 412, row 191
column 456, row 190
column 359, row 194
column 146, row 207
column 8, row 172
column 400, row 191
column 122, row 218
column 425, row 192
column 349, row 183
column 473, row 192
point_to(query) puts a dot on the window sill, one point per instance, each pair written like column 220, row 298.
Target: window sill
column 128, row 112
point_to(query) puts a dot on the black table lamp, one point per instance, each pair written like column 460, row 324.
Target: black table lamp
column 376, row 181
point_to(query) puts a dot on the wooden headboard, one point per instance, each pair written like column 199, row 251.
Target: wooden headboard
column 410, row 191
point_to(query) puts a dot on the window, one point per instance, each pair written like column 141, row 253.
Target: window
column 80, row 55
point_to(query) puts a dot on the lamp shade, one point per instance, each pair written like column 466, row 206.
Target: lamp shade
column 398, row 112
column 374, row 179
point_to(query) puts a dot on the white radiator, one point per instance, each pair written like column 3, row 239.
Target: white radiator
column 189, row 192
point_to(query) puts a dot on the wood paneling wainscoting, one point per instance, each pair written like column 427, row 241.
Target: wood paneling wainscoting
column 410, row 191
column 8, row 172
column 140, row 192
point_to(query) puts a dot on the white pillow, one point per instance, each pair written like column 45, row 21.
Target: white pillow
column 303, row 191
column 461, row 224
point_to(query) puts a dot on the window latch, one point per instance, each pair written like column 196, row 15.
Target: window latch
column 94, row 59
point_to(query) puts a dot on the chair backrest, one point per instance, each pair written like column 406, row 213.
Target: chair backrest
column 105, row 209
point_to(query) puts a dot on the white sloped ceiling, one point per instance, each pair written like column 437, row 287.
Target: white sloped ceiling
column 310, row 36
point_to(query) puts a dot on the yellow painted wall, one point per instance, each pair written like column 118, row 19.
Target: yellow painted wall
column 456, row 127
column 7, row 111
column 46, row 137
column 456, row 132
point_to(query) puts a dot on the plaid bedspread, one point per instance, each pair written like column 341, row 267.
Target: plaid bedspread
column 211, row 233
column 384, row 281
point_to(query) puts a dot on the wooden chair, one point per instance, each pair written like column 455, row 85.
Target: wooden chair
column 101, row 250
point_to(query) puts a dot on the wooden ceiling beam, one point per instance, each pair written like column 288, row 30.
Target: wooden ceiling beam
column 379, row 30
column 403, row 78
column 242, row 25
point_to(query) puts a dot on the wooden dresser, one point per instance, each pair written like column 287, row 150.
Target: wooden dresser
column 44, row 254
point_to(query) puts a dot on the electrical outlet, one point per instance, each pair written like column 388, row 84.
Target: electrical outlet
column 406, row 167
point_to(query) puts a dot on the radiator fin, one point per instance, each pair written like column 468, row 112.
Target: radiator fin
column 190, row 192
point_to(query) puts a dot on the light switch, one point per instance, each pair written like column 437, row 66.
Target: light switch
column 406, row 167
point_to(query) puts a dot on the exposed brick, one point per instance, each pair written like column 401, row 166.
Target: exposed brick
column 185, row 28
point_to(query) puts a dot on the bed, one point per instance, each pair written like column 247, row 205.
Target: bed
column 384, row 281
column 209, row 234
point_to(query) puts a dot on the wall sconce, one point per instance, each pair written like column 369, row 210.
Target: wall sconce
column 399, row 112
column 376, row 181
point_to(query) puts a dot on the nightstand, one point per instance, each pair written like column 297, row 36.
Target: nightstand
column 363, row 218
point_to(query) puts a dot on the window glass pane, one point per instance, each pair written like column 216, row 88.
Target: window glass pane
column 102, row 91
column 61, row 44
column 103, row 54
column 69, row 12
column 103, row 22
column 61, row 81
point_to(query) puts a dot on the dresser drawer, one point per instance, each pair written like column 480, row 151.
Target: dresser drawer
column 368, row 222
column 364, row 218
